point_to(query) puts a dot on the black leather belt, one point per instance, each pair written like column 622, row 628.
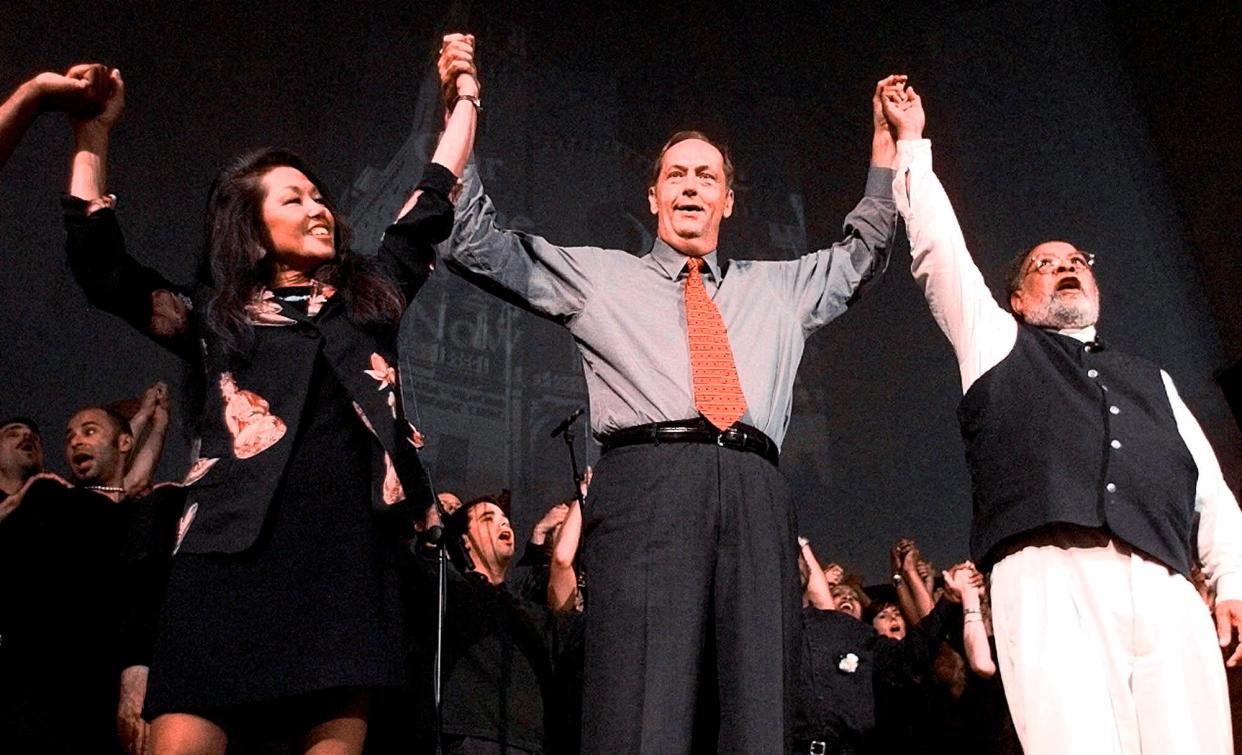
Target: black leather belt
column 814, row 747
column 738, row 436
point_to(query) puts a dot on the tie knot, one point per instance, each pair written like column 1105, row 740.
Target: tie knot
column 693, row 267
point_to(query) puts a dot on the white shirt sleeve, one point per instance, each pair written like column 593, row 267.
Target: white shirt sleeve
column 1220, row 520
column 981, row 332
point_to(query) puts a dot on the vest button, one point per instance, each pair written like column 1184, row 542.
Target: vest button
column 1092, row 373
column 1115, row 444
column 1110, row 487
column 1114, row 410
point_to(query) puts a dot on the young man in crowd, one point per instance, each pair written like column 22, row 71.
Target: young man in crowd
column 498, row 645
column 59, row 609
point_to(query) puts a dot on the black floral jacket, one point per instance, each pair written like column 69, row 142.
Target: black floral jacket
column 252, row 407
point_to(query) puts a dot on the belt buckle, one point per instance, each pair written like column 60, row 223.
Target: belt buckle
column 732, row 435
column 819, row 748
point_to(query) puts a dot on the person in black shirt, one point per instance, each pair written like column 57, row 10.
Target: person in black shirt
column 61, row 545
column 499, row 646
column 851, row 677
column 282, row 600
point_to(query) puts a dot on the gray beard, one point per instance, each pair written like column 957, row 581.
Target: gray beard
column 1059, row 315
column 1066, row 316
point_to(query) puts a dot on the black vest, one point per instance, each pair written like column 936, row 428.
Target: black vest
column 1062, row 432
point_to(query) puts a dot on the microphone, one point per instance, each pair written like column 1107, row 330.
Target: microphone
column 567, row 422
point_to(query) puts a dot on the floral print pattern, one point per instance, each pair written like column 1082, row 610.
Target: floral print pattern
column 386, row 376
column 183, row 524
column 249, row 419
column 382, row 372
column 320, row 293
column 265, row 310
column 392, row 490
column 198, row 470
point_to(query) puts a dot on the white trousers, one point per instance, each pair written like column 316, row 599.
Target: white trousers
column 1103, row 652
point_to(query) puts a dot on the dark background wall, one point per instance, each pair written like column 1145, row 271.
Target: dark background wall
column 1110, row 124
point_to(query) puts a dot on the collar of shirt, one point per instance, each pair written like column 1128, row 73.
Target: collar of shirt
column 1086, row 335
column 673, row 263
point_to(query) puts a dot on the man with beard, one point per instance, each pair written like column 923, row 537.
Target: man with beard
column 21, row 458
column 97, row 446
column 60, row 547
column 1087, row 470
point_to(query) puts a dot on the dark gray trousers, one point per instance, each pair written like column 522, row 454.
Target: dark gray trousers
column 694, row 609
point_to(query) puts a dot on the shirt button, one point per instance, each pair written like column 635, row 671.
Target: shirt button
column 1115, row 444
column 1093, row 373
column 1110, row 487
column 1114, row 410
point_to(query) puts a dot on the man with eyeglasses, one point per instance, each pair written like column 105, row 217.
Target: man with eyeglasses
column 1087, row 471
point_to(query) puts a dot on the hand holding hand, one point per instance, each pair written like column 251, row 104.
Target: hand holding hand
column 81, row 91
column 898, row 553
column 155, row 397
column 108, row 89
column 548, row 524
column 961, row 580
column 903, row 110
column 879, row 119
column 910, row 560
column 883, row 139
column 458, row 74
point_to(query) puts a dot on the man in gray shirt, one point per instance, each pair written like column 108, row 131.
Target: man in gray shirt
column 689, row 534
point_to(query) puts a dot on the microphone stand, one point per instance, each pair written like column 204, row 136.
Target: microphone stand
column 441, row 609
column 434, row 537
column 566, row 431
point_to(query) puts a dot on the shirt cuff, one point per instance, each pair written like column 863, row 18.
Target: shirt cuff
column 79, row 207
column 1229, row 587
column 438, row 179
column 880, row 182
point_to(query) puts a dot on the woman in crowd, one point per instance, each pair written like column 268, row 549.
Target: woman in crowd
column 281, row 605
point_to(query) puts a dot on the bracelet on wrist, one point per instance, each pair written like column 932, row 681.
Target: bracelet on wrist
column 472, row 99
column 897, row 578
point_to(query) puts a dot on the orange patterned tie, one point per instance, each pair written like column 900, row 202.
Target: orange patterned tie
column 717, row 392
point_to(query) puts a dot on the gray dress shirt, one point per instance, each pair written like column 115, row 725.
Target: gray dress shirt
column 627, row 313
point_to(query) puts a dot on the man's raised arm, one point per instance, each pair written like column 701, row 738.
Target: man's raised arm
column 821, row 285
column 981, row 332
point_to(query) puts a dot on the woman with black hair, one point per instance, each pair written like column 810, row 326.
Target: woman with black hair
column 281, row 610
